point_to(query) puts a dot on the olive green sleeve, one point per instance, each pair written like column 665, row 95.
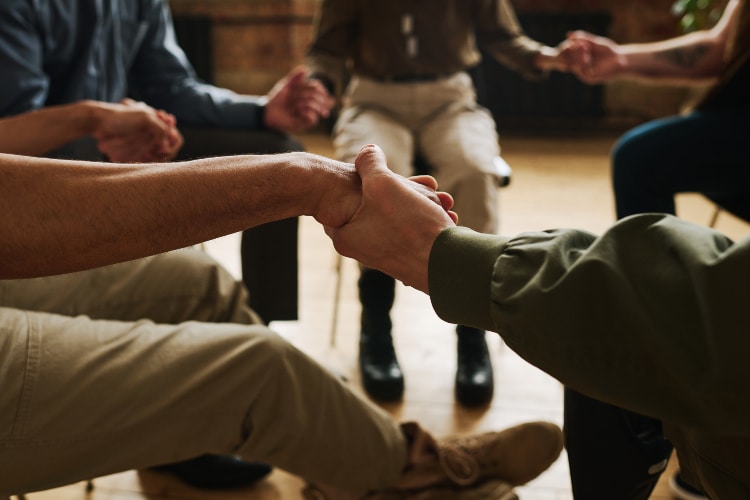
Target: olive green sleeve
column 650, row 316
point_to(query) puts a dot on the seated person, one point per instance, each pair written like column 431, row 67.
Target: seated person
column 122, row 352
column 64, row 51
column 644, row 317
column 410, row 92
column 61, row 52
column 702, row 151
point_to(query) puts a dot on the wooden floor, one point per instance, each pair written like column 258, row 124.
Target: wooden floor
column 557, row 182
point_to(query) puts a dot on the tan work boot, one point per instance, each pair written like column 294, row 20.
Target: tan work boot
column 484, row 466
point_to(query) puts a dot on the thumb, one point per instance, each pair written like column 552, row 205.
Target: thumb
column 297, row 76
column 284, row 86
column 370, row 161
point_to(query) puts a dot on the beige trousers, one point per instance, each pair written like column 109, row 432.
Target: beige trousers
column 158, row 360
column 439, row 119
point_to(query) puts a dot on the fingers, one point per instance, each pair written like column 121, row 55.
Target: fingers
column 371, row 161
column 296, row 76
column 167, row 118
column 170, row 146
column 581, row 35
column 446, row 200
column 313, row 98
column 427, row 181
column 132, row 131
column 577, row 57
column 296, row 102
column 126, row 150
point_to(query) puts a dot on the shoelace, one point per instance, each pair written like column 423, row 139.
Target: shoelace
column 458, row 465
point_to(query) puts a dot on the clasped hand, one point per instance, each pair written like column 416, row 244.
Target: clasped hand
column 396, row 222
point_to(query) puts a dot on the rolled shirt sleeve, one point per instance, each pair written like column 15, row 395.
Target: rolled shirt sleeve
column 650, row 316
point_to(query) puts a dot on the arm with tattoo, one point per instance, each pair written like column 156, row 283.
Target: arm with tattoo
column 696, row 57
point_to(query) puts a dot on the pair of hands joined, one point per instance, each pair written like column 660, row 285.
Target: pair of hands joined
column 133, row 132
column 297, row 102
column 592, row 58
column 396, row 222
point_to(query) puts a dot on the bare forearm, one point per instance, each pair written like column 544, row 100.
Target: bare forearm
column 43, row 130
column 688, row 58
column 60, row 217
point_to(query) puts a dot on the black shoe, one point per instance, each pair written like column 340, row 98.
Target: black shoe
column 474, row 379
column 216, row 472
column 381, row 374
column 683, row 490
column 378, row 367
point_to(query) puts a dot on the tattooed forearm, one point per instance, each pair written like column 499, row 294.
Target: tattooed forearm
column 684, row 57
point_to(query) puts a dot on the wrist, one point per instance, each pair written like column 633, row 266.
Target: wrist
column 625, row 60
column 89, row 115
column 548, row 59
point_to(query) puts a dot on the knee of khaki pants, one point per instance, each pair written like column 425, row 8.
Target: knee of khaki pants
column 172, row 287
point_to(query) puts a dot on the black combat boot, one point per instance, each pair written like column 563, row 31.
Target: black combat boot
column 474, row 379
column 379, row 369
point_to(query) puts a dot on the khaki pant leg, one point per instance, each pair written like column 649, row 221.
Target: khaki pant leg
column 82, row 398
column 168, row 288
column 460, row 143
column 369, row 119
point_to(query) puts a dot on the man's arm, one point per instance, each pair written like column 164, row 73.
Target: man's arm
column 163, row 77
column 653, row 304
column 127, row 132
column 335, row 33
column 691, row 58
column 91, row 214
column 398, row 221
column 500, row 34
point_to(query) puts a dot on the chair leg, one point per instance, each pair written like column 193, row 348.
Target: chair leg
column 715, row 217
column 336, row 298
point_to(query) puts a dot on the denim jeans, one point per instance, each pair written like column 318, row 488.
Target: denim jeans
column 705, row 152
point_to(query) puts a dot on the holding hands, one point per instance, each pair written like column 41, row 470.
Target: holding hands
column 133, row 132
column 296, row 102
column 595, row 59
column 396, row 223
column 592, row 58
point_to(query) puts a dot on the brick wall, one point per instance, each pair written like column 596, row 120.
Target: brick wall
column 255, row 42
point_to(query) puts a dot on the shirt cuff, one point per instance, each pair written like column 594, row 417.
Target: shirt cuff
column 461, row 269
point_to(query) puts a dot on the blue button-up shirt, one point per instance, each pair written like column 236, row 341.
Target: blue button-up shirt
column 62, row 51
